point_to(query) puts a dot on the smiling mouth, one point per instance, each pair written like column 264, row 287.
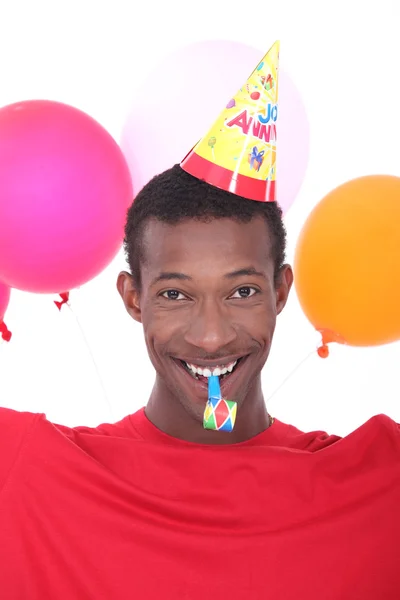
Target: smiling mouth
column 203, row 373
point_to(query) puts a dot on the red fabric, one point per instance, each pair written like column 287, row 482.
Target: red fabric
column 125, row 511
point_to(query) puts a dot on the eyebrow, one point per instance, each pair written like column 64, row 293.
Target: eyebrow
column 171, row 275
column 246, row 272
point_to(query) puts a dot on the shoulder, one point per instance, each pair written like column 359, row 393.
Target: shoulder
column 292, row 437
column 25, row 434
column 122, row 428
column 379, row 429
column 16, row 429
column 14, row 425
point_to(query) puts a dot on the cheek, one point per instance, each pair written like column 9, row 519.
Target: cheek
column 160, row 326
column 258, row 320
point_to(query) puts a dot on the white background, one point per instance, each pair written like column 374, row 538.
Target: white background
column 342, row 55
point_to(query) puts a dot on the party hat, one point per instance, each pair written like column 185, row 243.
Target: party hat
column 238, row 154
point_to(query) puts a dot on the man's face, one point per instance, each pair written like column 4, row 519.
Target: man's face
column 208, row 304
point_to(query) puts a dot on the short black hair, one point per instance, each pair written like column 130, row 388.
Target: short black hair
column 174, row 196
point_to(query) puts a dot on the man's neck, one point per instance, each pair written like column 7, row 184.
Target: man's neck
column 171, row 416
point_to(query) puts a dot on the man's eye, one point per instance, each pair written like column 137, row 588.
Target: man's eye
column 244, row 292
column 173, row 295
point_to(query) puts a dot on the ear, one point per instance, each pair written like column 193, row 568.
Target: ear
column 130, row 295
column 283, row 285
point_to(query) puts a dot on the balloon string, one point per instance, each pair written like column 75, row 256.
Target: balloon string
column 297, row 367
column 100, row 379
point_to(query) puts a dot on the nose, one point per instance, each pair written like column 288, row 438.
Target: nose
column 210, row 328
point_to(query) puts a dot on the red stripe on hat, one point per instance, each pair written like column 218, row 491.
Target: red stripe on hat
column 241, row 185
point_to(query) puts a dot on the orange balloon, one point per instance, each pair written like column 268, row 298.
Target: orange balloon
column 347, row 263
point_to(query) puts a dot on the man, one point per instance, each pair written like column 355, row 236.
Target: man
column 158, row 505
column 207, row 296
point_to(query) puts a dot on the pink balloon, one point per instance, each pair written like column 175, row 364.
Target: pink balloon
column 64, row 190
column 4, row 299
column 183, row 96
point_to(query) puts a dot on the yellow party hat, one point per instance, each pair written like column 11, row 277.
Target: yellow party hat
column 238, row 154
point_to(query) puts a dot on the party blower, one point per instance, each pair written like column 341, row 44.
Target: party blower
column 238, row 154
column 220, row 414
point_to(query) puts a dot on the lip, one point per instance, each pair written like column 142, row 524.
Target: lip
column 198, row 387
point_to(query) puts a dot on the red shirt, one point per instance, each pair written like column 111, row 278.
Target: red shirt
column 125, row 511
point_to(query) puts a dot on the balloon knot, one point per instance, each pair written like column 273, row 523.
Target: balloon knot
column 4, row 331
column 64, row 299
column 323, row 351
column 328, row 337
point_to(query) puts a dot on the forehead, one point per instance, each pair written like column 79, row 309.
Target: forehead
column 223, row 242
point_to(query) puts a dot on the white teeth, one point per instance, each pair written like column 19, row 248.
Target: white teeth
column 206, row 372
